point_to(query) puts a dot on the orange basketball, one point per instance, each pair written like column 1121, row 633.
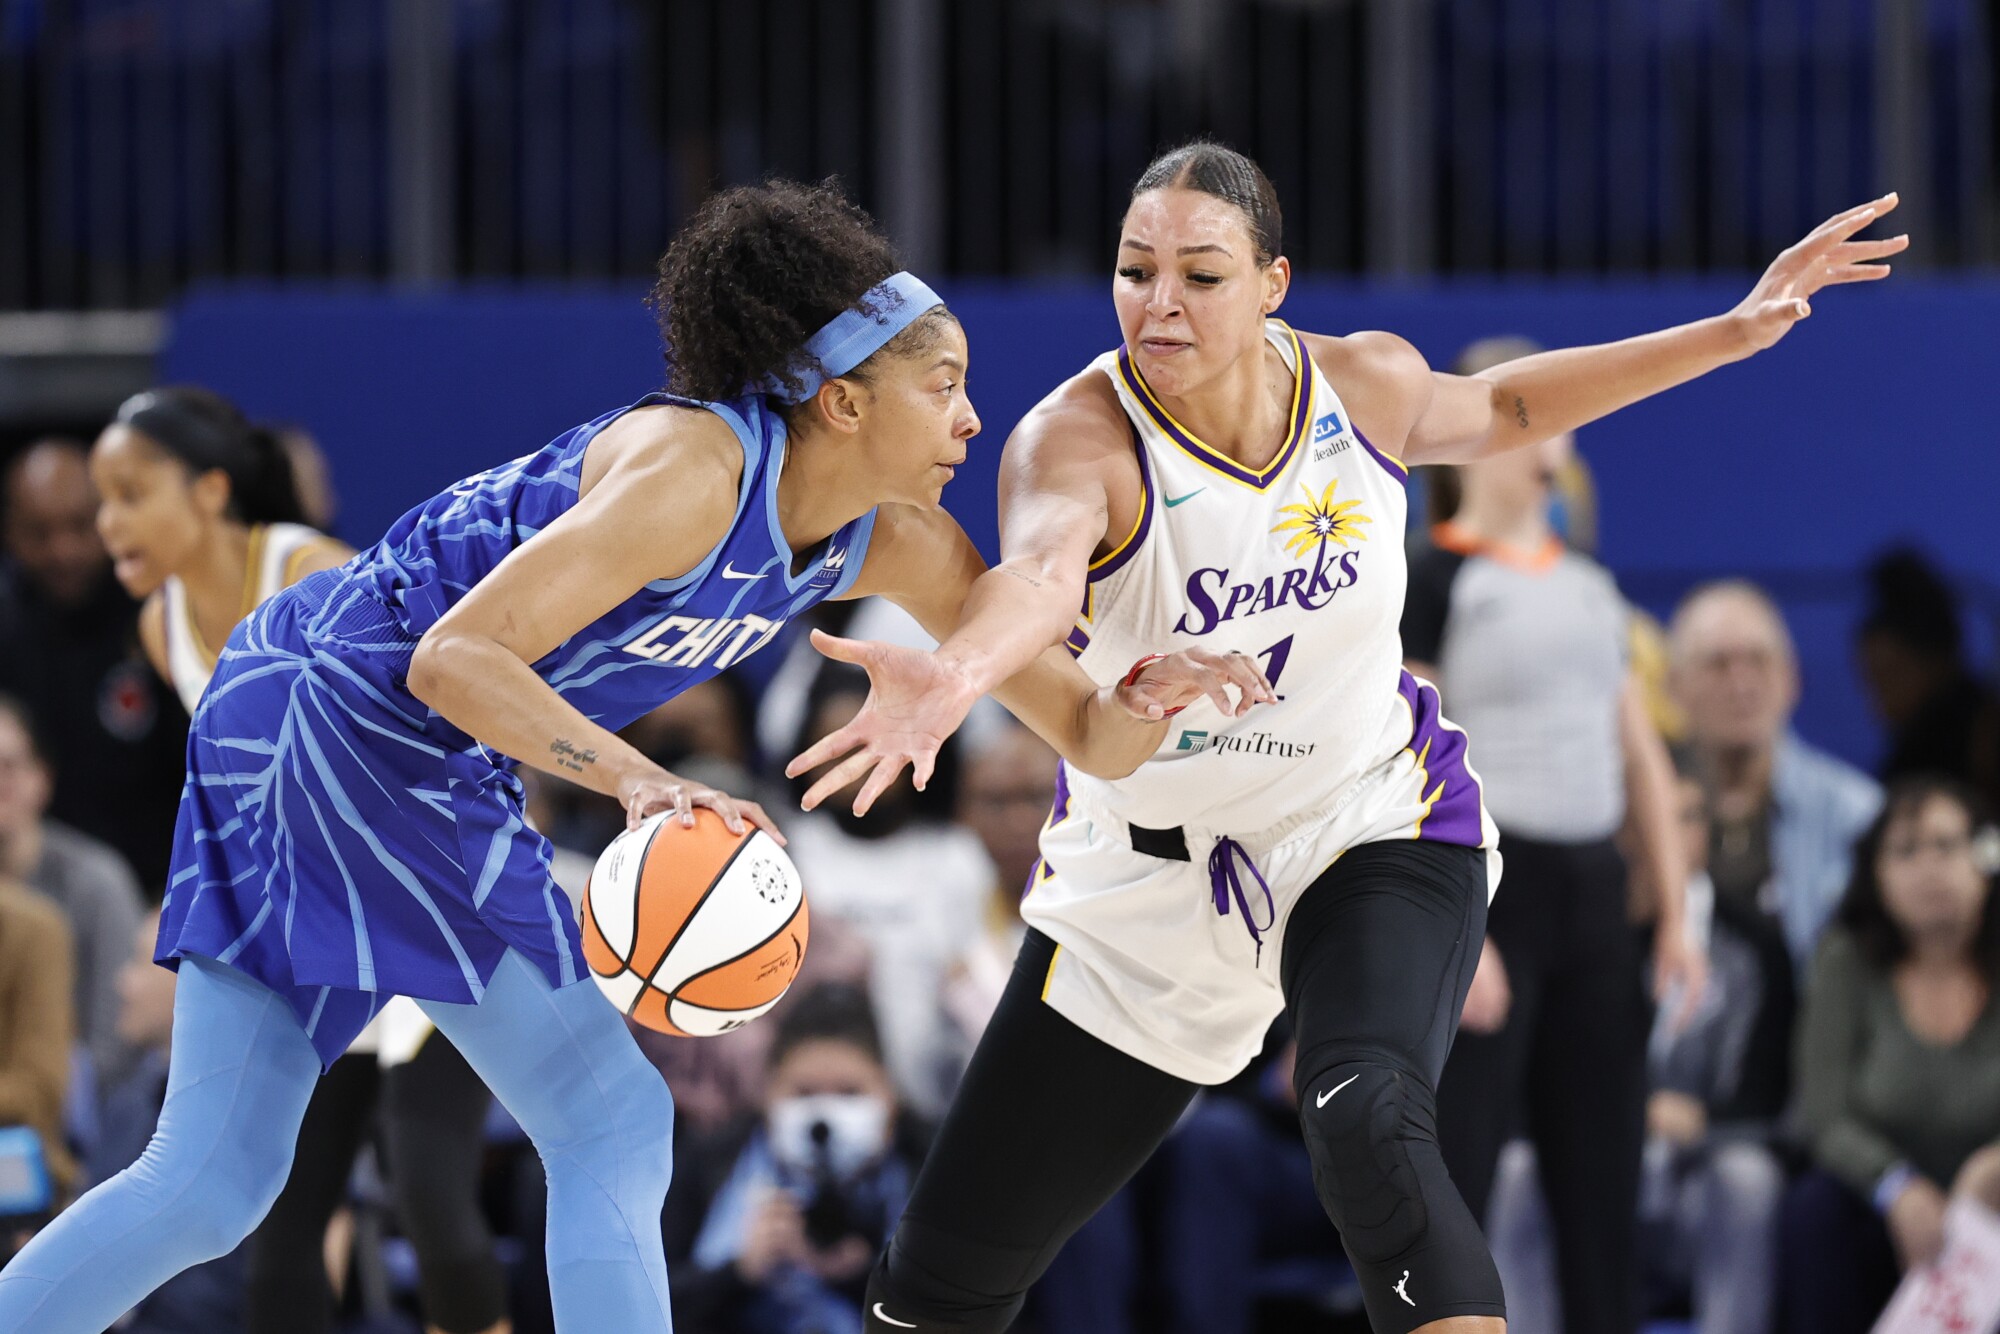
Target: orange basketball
column 694, row 931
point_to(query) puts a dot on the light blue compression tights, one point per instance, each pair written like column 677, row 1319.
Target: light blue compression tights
column 242, row 1070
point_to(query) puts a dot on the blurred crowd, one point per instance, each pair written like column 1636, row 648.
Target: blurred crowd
column 1770, row 1148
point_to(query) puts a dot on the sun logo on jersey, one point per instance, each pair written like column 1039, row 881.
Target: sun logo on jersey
column 1320, row 521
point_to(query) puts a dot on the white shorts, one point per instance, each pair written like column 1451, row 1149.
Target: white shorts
column 1144, row 960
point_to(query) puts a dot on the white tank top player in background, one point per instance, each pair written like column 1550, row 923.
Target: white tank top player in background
column 1299, row 565
column 278, row 553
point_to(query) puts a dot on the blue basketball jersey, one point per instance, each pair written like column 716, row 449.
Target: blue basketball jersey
column 666, row 637
column 341, row 842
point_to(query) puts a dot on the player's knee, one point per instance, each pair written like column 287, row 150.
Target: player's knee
column 624, row 1135
column 905, row 1293
column 1361, row 1119
column 215, row 1198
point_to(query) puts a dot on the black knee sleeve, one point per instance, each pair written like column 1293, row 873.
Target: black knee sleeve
column 1371, row 1130
column 1357, row 1119
column 905, row 1292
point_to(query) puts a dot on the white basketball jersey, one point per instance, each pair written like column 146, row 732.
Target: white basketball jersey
column 1299, row 564
column 274, row 552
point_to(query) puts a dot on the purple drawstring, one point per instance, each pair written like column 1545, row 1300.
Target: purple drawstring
column 1226, row 884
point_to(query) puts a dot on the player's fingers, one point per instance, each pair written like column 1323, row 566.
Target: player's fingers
column 683, row 804
column 1249, row 679
column 723, row 805
column 878, row 782
column 1213, row 682
column 1855, row 273
column 829, row 747
column 836, row 778
column 841, row 650
column 756, row 815
column 1853, row 252
column 921, row 769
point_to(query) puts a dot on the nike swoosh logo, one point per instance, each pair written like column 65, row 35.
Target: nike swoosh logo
column 730, row 571
column 1175, row 500
column 1327, row 1096
column 888, row 1319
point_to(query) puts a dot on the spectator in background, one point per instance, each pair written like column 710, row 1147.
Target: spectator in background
column 1942, row 718
column 1712, row 1184
column 913, row 887
column 1240, row 1220
column 1004, row 798
column 69, row 650
column 775, row 1225
column 1784, row 815
column 207, row 1299
column 1527, row 641
column 87, row 881
column 1898, row 1059
column 35, row 1023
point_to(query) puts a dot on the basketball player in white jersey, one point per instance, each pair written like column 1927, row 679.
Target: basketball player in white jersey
column 1224, row 481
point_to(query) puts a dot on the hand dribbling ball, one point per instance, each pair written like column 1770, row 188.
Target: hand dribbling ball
column 694, row 931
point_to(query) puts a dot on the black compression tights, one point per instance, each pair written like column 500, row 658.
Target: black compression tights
column 1050, row 1121
column 434, row 1108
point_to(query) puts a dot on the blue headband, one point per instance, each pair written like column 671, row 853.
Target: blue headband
column 853, row 336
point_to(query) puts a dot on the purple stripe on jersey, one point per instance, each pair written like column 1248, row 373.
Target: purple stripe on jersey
column 1115, row 562
column 1448, row 785
column 1077, row 642
column 1389, row 465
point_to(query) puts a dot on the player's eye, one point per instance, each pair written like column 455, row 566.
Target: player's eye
column 1205, row 279
column 1132, row 273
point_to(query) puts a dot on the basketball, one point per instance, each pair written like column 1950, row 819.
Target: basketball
column 694, row 931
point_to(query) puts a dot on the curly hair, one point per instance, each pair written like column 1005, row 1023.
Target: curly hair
column 756, row 272
column 1862, row 911
column 1228, row 175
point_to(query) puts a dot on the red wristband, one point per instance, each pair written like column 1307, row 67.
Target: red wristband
column 1132, row 678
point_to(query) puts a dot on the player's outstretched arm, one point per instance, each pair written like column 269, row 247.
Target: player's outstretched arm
column 665, row 497
column 1053, row 509
column 1535, row 398
column 923, row 562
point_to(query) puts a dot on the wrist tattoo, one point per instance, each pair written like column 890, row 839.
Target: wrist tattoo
column 1521, row 411
column 1027, row 579
column 569, row 757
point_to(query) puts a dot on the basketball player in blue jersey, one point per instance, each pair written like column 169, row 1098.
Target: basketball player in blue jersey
column 1224, row 481
column 352, row 826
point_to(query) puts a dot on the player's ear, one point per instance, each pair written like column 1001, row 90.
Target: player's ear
column 840, row 404
column 211, row 491
column 1277, row 282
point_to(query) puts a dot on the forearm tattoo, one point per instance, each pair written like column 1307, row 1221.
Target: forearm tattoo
column 1521, row 411
column 1027, row 579
column 569, row 757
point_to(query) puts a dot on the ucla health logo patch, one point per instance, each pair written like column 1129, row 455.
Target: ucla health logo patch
column 1326, row 436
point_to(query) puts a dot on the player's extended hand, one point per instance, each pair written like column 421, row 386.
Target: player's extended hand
column 1827, row 255
column 648, row 793
column 1179, row 679
column 914, row 702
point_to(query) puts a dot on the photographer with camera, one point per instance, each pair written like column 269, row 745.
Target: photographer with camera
column 772, row 1226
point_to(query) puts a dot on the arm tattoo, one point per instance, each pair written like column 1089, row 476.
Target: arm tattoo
column 569, row 757
column 1027, row 579
column 1521, row 411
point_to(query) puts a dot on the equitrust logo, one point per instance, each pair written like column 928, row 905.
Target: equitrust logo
column 1251, row 743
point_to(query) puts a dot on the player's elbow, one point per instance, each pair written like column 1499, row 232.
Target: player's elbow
column 436, row 669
